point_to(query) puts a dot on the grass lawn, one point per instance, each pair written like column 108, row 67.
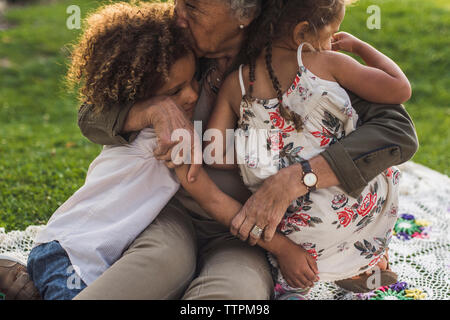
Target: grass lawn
column 44, row 158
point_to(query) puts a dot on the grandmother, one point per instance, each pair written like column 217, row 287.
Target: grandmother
column 184, row 254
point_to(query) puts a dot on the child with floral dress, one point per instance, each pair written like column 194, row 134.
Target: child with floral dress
column 295, row 120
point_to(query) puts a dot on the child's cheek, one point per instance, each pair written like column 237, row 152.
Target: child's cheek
column 327, row 44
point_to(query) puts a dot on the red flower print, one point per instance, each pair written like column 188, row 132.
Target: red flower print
column 277, row 120
column 302, row 91
column 375, row 260
column 279, row 289
column 294, row 85
column 388, row 173
column 300, row 220
column 311, row 249
column 345, row 217
column 339, row 201
column 396, row 177
column 295, row 222
column 288, row 129
column 394, row 174
column 325, row 135
column 276, row 141
column 303, row 218
column 367, row 204
column 393, row 212
column 313, row 253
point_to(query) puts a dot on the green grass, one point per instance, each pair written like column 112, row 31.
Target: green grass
column 44, row 158
column 416, row 34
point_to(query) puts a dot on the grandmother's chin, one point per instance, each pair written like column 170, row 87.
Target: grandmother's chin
column 198, row 52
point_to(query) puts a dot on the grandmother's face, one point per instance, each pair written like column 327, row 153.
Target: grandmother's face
column 212, row 26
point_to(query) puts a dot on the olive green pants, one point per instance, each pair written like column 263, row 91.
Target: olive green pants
column 183, row 255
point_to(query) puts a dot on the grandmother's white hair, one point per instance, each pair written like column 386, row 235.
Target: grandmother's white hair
column 245, row 8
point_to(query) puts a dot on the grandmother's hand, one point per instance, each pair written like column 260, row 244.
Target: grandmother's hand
column 166, row 116
column 267, row 206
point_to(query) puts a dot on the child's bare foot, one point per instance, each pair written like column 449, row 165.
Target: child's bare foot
column 360, row 284
column 383, row 265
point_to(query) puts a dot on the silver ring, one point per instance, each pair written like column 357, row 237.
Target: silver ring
column 257, row 231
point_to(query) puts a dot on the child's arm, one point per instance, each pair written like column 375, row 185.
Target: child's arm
column 225, row 116
column 381, row 81
column 297, row 265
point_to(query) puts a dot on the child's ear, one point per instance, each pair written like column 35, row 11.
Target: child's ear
column 298, row 36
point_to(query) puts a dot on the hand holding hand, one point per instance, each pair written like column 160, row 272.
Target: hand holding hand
column 166, row 117
column 267, row 206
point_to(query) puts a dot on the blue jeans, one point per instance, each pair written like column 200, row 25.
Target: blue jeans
column 52, row 272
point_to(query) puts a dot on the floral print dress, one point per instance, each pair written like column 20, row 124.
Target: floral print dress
column 345, row 235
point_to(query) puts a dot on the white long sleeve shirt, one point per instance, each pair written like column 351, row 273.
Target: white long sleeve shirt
column 125, row 189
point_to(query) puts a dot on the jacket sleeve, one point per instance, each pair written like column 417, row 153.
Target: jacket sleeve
column 386, row 137
column 105, row 128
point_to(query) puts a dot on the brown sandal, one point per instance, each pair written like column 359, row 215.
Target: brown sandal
column 359, row 284
column 15, row 283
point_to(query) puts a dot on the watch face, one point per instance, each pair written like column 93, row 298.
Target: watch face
column 310, row 179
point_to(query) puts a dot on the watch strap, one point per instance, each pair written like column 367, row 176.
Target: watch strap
column 306, row 167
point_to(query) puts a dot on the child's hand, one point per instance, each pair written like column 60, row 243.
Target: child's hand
column 343, row 41
column 298, row 267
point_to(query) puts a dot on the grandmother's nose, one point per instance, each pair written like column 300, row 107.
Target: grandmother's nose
column 181, row 15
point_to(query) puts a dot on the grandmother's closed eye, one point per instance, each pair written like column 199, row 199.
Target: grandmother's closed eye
column 190, row 6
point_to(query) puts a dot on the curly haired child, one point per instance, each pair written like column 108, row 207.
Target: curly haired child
column 127, row 54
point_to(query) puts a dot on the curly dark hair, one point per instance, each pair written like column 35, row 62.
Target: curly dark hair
column 125, row 53
column 279, row 17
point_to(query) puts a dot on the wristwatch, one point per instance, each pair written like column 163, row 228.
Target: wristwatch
column 309, row 178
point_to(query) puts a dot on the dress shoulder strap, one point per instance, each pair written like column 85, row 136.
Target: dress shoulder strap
column 299, row 55
column 241, row 80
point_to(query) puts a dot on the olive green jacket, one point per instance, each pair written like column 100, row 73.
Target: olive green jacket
column 385, row 137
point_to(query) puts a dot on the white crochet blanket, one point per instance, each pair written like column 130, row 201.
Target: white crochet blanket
column 421, row 261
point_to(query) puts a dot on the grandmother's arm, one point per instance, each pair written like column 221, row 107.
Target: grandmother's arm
column 298, row 267
column 120, row 124
column 105, row 128
column 386, row 137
